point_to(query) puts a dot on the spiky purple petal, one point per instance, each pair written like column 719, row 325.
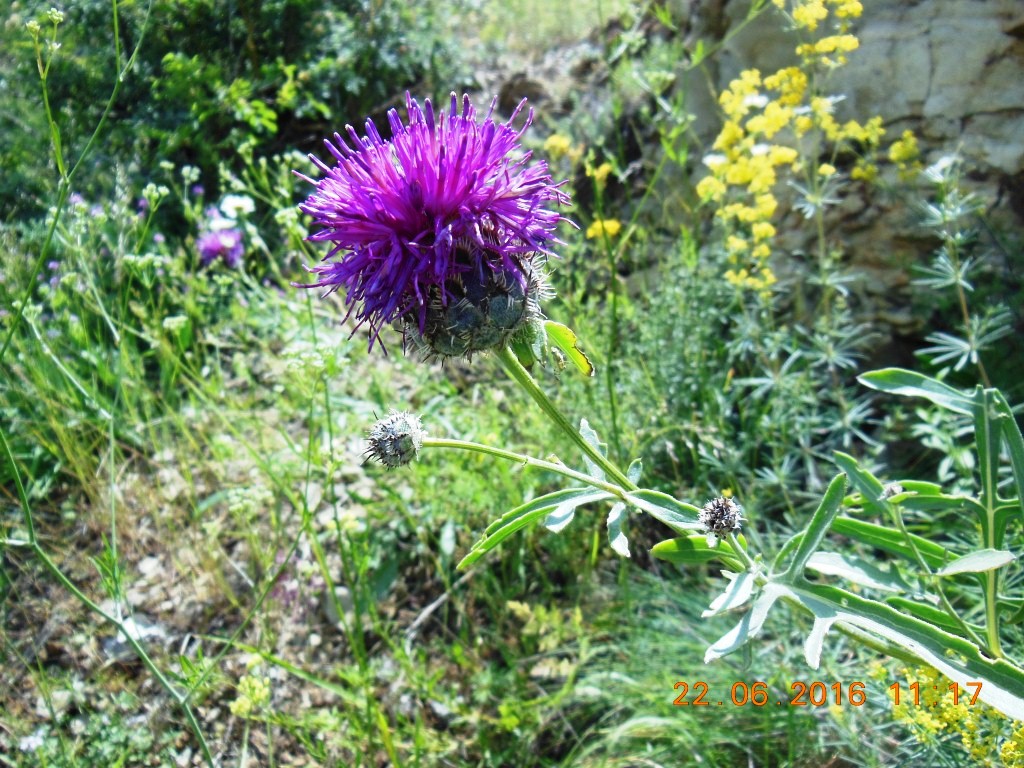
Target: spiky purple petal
column 397, row 211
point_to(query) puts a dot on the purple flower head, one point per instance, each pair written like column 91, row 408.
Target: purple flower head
column 445, row 196
column 221, row 243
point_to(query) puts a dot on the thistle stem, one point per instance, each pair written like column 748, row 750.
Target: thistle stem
column 529, row 461
column 522, row 377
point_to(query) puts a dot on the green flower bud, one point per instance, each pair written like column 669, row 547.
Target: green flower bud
column 395, row 440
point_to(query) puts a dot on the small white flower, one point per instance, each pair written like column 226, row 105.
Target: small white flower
column 233, row 206
column 715, row 160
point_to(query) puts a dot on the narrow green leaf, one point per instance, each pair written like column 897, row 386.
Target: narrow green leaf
column 925, row 612
column 953, row 656
column 977, row 562
column 892, row 541
column 677, row 515
column 695, row 550
column 1014, row 440
column 899, row 381
column 818, row 526
column 988, row 439
column 636, row 468
column 616, row 538
column 565, row 339
column 869, row 486
column 524, row 515
column 857, row 570
column 941, row 503
column 547, row 501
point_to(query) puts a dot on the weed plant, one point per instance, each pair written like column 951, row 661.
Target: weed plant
column 199, row 566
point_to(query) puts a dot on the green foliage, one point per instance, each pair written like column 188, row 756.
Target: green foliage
column 211, row 77
column 203, row 421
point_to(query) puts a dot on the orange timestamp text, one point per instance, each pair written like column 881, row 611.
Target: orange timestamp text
column 815, row 694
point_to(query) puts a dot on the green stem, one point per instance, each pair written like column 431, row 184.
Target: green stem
column 529, row 461
column 527, row 382
column 935, row 582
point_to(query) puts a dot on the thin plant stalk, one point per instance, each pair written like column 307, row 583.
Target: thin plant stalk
column 522, row 377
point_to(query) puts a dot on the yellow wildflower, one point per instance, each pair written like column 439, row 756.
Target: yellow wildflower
column 557, row 145
column 735, row 244
column 600, row 174
column 826, row 45
column 710, row 188
column 604, row 228
column 803, row 124
column 773, row 119
column 864, row 171
column 730, row 135
column 736, row 100
column 848, row 9
column 791, row 83
column 762, row 230
column 253, row 695
column 904, row 150
column 826, row 170
column 779, row 155
column 807, row 14
column 765, row 206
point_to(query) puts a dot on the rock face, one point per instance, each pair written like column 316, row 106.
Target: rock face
column 952, row 71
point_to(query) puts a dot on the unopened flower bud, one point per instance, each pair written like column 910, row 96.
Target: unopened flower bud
column 480, row 308
column 720, row 517
column 395, row 440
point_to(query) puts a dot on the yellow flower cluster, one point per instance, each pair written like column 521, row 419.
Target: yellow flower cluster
column 602, row 228
column 807, row 14
column 982, row 730
column 905, row 153
column 821, row 51
column 766, row 121
column 253, row 695
column 600, row 173
column 558, row 145
column 1012, row 751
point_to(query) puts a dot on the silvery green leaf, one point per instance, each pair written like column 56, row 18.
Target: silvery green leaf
column 978, row 562
column 857, row 570
column 677, row 515
column 818, row 526
column 587, row 433
column 525, row 514
column 749, row 625
column 560, row 518
column 740, row 588
column 953, row 656
column 635, row 468
column 617, row 539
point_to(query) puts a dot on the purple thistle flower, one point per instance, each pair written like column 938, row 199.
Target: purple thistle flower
column 446, row 195
column 222, row 243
